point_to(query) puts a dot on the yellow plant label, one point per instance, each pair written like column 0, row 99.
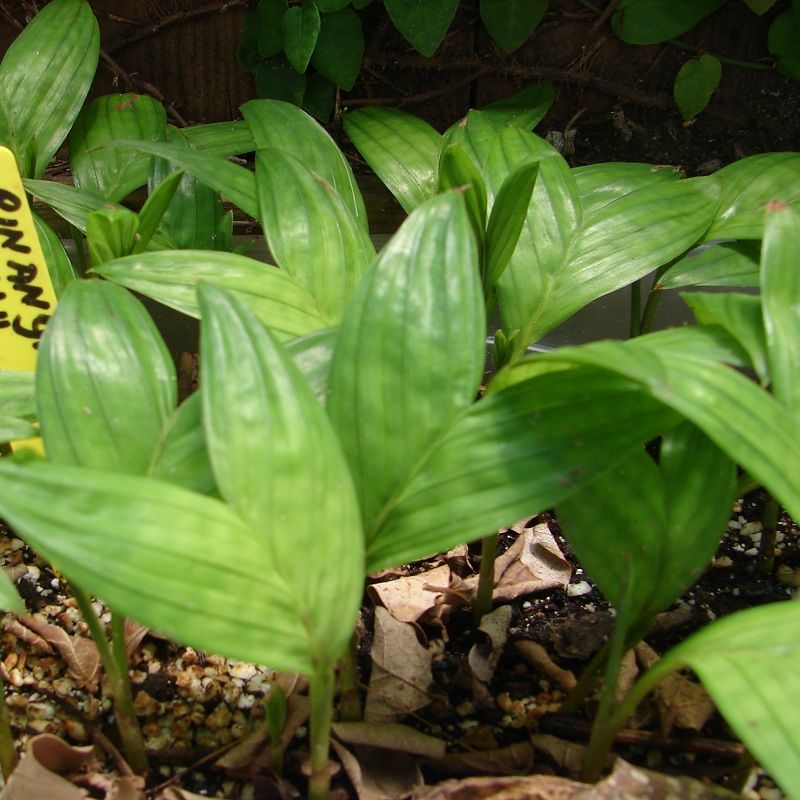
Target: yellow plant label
column 27, row 298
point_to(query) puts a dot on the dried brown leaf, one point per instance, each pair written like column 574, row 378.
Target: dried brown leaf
column 516, row 759
column 564, row 754
column 379, row 774
column 391, row 736
column 134, row 633
column 484, row 655
column 628, row 671
column 408, row 598
column 401, row 671
column 26, row 635
column 536, row 655
column 79, row 653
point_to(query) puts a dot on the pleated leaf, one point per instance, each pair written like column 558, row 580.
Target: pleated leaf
column 278, row 464
column 171, row 277
column 457, row 171
column 602, row 184
column 72, row 204
column 747, row 186
column 780, row 298
column 401, row 149
column 9, row 599
column 154, row 208
column 105, row 382
column 721, row 264
column 179, row 562
column 220, row 138
column 310, row 231
column 748, row 663
column 410, row 350
column 14, row 428
column 645, row 532
column 285, row 127
column 513, row 454
column 44, row 78
column 565, row 258
column 114, row 173
column 313, row 355
column 59, row 266
column 17, row 394
column 525, row 109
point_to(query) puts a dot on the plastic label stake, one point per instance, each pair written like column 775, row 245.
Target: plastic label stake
column 27, row 297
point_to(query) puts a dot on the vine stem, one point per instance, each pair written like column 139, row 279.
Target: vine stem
column 118, row 685
column 321, row 687
column 483, row 597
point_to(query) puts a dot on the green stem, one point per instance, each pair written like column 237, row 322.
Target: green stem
column 483, row 598
column 349, row 692
column 80, row 241
column 649, row 313
column 746, row 484
column 321, row 687
column 118, row 685
column 586, row 682
column 636, row 309
column 769, row 533
column 8, row 753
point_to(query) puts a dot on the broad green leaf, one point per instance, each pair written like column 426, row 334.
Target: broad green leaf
column 277, row 79
column 423, row 23
column 782, row 42
column 695, row 82
column 740, row 315
column 310, row 231
column 340, row 47
column 780, row 299
column 319, row 97
column 646, row 532
column 511, row 22
column 193, row 216
column 17, row 394
column 220, row 138
column 247, row 53
column 269, row 14
column 566, row 258
column 299, row 30
column 154, row 209
column 111, row 234
column 508, row 215
column 760, row 6
column 313, row 354
column 234, row 181
column 171, row 277
column 181, row 563
column 285, row 127
column 524, row 109
column 750, row 425
column 326, row 6
column 44, row 78
column 654, row 21
column 748, row 663
column 458, row 171
column 410, row 350
column 476, row 132
column 271, row 444
column 182, row 458
column 14, row 428
column 747, row 186
column 59, row 267
column 402, row 149
column 9, row 599
column 69, row 202
column 715, row 264
column 105, row 382
column 114, row 173
column 601, row 184
column 513, row 454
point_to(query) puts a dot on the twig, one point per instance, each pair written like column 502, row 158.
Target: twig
column 214, row 754
column 607, row 12
column 10, row 18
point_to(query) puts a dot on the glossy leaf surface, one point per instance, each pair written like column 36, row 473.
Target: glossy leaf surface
column 510, row 22
column 723, row 264
column 313, row 355
column 695, row 82
column 154, row 208
column 220, row 138
column 69, row 202
column 45, row 76
column 17, row 394
column 395, row 387
column 59, row 266
column 14, row 428
column 524, row 109
column 457, row 171
column 654, row 21
column 602, row 184
column 171, row 277
column 340, row 47
column 401, row 149
column 111, row 234
column 270, row 443
column 300, row 28
column 105, row 382
column 423, row 23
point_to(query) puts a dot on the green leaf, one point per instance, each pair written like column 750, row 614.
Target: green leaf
column 286, row 128
column 747, row 186
column 269, row 14
column 105, row 382
column 326, row 6
column 458, row 171
column 476, row 132
column 9, row 599
column 310, row 231
column 715, row 264
column 511, row 22
column 69, row 202
column 277, row 79
column 524, row 109
column 646, row 532
column 111, row 234
column 44, row 78
column 300, row 28
column 740, row 315
column 59, row 267
column 340, row 47
column 114, row 173
column 423, row 308
column 319, row 97
column 17, row 397
column 313, row 354
column 423, row 23
column 236, row 182
column 601, row 184
column 654, row 21
column 12, row 429
column 695, row 82
column 782, row 42
column 154, row 209
column 183, row 457
column 219, row 138
column 748, row 663
column 780, row 299
column 270, row 443
column 567, row 257
column 760, row 6
column 513, row 454
column 171, row 277
column 181, row 563
column 247, row 53
column 402, row 149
